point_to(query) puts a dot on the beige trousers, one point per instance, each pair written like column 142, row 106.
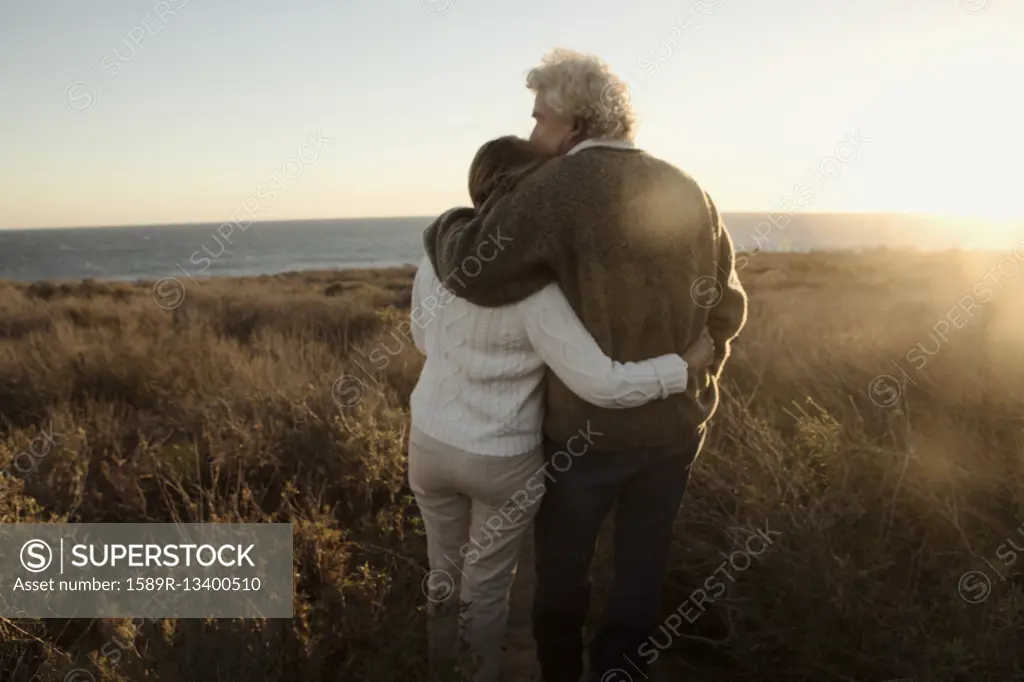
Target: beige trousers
column 476, row 509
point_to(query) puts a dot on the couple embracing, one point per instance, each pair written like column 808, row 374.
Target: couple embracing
column 589, row 300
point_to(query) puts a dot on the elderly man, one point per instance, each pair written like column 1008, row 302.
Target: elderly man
column 643, row 256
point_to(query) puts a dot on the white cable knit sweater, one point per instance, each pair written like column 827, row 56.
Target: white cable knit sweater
column 481, row 386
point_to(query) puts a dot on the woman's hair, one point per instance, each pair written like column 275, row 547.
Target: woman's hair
column 498, row 165
column 581, row 86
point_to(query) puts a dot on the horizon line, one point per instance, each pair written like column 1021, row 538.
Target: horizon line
column 916, row 214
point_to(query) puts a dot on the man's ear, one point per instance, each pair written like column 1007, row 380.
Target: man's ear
column 577, row 134
column 570, row 140
column 578, row 130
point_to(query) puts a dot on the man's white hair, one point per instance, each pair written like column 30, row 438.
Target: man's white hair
column 582, row 86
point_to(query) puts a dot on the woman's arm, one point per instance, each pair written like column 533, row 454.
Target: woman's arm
column 419, row 317
column 566, row 346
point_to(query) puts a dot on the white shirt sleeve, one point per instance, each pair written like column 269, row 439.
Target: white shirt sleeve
column 419, row 315
column 565, row 345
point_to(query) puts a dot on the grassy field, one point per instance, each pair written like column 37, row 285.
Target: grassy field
column 872, row 420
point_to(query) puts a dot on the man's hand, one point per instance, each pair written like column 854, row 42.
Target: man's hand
column 700, row 354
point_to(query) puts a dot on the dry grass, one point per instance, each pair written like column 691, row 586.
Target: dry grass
column 225, row 410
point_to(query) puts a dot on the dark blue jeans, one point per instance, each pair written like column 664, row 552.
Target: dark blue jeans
column 645, row 486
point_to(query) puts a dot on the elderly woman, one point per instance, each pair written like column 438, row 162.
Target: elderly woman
column 476, row 461
column 642, row 254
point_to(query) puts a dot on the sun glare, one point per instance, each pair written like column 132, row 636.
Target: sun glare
column 946, row 140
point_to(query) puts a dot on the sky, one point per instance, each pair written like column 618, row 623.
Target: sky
column 172, row 111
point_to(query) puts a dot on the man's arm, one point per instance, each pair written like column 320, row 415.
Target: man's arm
column 506, row 253
column 727, row 317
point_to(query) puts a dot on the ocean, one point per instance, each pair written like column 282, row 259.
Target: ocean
column 198, row 250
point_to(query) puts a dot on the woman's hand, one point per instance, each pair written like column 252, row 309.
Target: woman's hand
column 700, row 354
